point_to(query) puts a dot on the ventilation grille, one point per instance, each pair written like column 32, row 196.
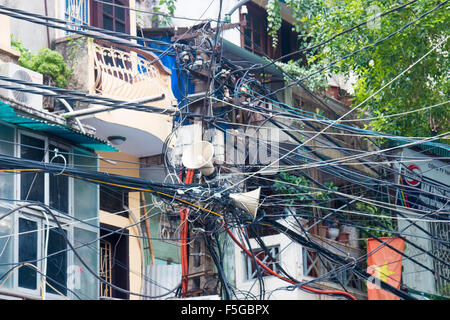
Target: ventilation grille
column 21, row 96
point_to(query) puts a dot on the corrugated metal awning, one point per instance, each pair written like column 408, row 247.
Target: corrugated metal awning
column 435, row 148
column 245, row 58
column 8, row 114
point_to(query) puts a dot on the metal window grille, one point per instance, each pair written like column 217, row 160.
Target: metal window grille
column 105, row 268
column 315, row 267
column 442, row 251
column 77, row 11
column 270, row 261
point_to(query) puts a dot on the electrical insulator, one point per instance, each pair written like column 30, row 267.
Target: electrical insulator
column 184, row 56
column 198, row 64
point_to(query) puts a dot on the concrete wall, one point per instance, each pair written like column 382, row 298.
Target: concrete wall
column 77, row 55
column 194, row 9
column 136, row 258
column 32, row 35
column 35, row 36
column 291, row 260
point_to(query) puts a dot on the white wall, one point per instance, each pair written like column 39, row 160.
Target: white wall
column 199, row 9
column 415, row 276
column 195, row 9
column 32, row 35
column 291, row 260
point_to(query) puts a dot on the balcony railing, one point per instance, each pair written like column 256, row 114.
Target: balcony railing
column 317, row 267
column 127, row 74
column 116, row 71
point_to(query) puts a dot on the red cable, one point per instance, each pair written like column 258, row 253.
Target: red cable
column 280, row 276
column 184, row 235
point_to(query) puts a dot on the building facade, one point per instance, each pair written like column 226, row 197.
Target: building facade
column 114, row 234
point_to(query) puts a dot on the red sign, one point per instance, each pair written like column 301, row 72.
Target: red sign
column 416, row 170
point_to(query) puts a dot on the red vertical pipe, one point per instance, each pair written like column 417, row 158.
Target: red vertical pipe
column 184, row 236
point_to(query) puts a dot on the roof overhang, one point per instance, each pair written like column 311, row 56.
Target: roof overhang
column 52, row 124
column 139, row 143
column 244, row 58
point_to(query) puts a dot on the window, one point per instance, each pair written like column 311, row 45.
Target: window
column 255, row 38
column 76, row 11
column 112, row 16
column 316, row 266
column 114, row 258
column 59, row 184
column 113, row 200
column 51, row 189
column 32, row 183
column 254, row 31
column 32, row 233
column 82, row 282
column 270, row 260
column 170, row 232
column 28, row 252
column 56, row 262
column 288, row 43
column 23, row 233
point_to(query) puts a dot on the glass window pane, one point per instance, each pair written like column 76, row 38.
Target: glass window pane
column 83, row 282
column 256, row 22
column 108, row 23
column 248, row 37
column 257, row 41
column 32, row 183
column 6, row 140
column 120, row 27
column 88, row 208
column 120, row 13
column 6, row 148
column 6, row 247
column 113, row 200
column 59, row 184
column 27, row 252
column 57, row 264
column 107, row 8
column 32, row 148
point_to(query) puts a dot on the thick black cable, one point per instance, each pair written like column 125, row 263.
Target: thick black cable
column 99, row 32
column 363, row 48
column 219, row 267
column 364, row 274
column 93, row 271
column 273, row 61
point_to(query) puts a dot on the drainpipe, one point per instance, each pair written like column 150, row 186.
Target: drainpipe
column 48, row 30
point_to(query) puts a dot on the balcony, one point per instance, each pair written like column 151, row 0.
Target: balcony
column 122, row 73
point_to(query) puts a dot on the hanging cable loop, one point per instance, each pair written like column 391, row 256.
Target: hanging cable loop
column 58, row 155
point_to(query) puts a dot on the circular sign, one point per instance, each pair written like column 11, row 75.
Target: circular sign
column 415, row 171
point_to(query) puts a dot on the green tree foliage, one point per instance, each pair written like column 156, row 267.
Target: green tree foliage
column 298, row 190
column 48, row 62
column 424, row 85
column 274, row 20
column 165, row 6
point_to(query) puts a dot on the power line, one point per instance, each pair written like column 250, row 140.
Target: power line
column 97, row 33
column 273, row 61
column 363, row 48
column 153, row 12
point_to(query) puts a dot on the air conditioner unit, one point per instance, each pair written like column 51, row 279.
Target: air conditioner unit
column 15, row 71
